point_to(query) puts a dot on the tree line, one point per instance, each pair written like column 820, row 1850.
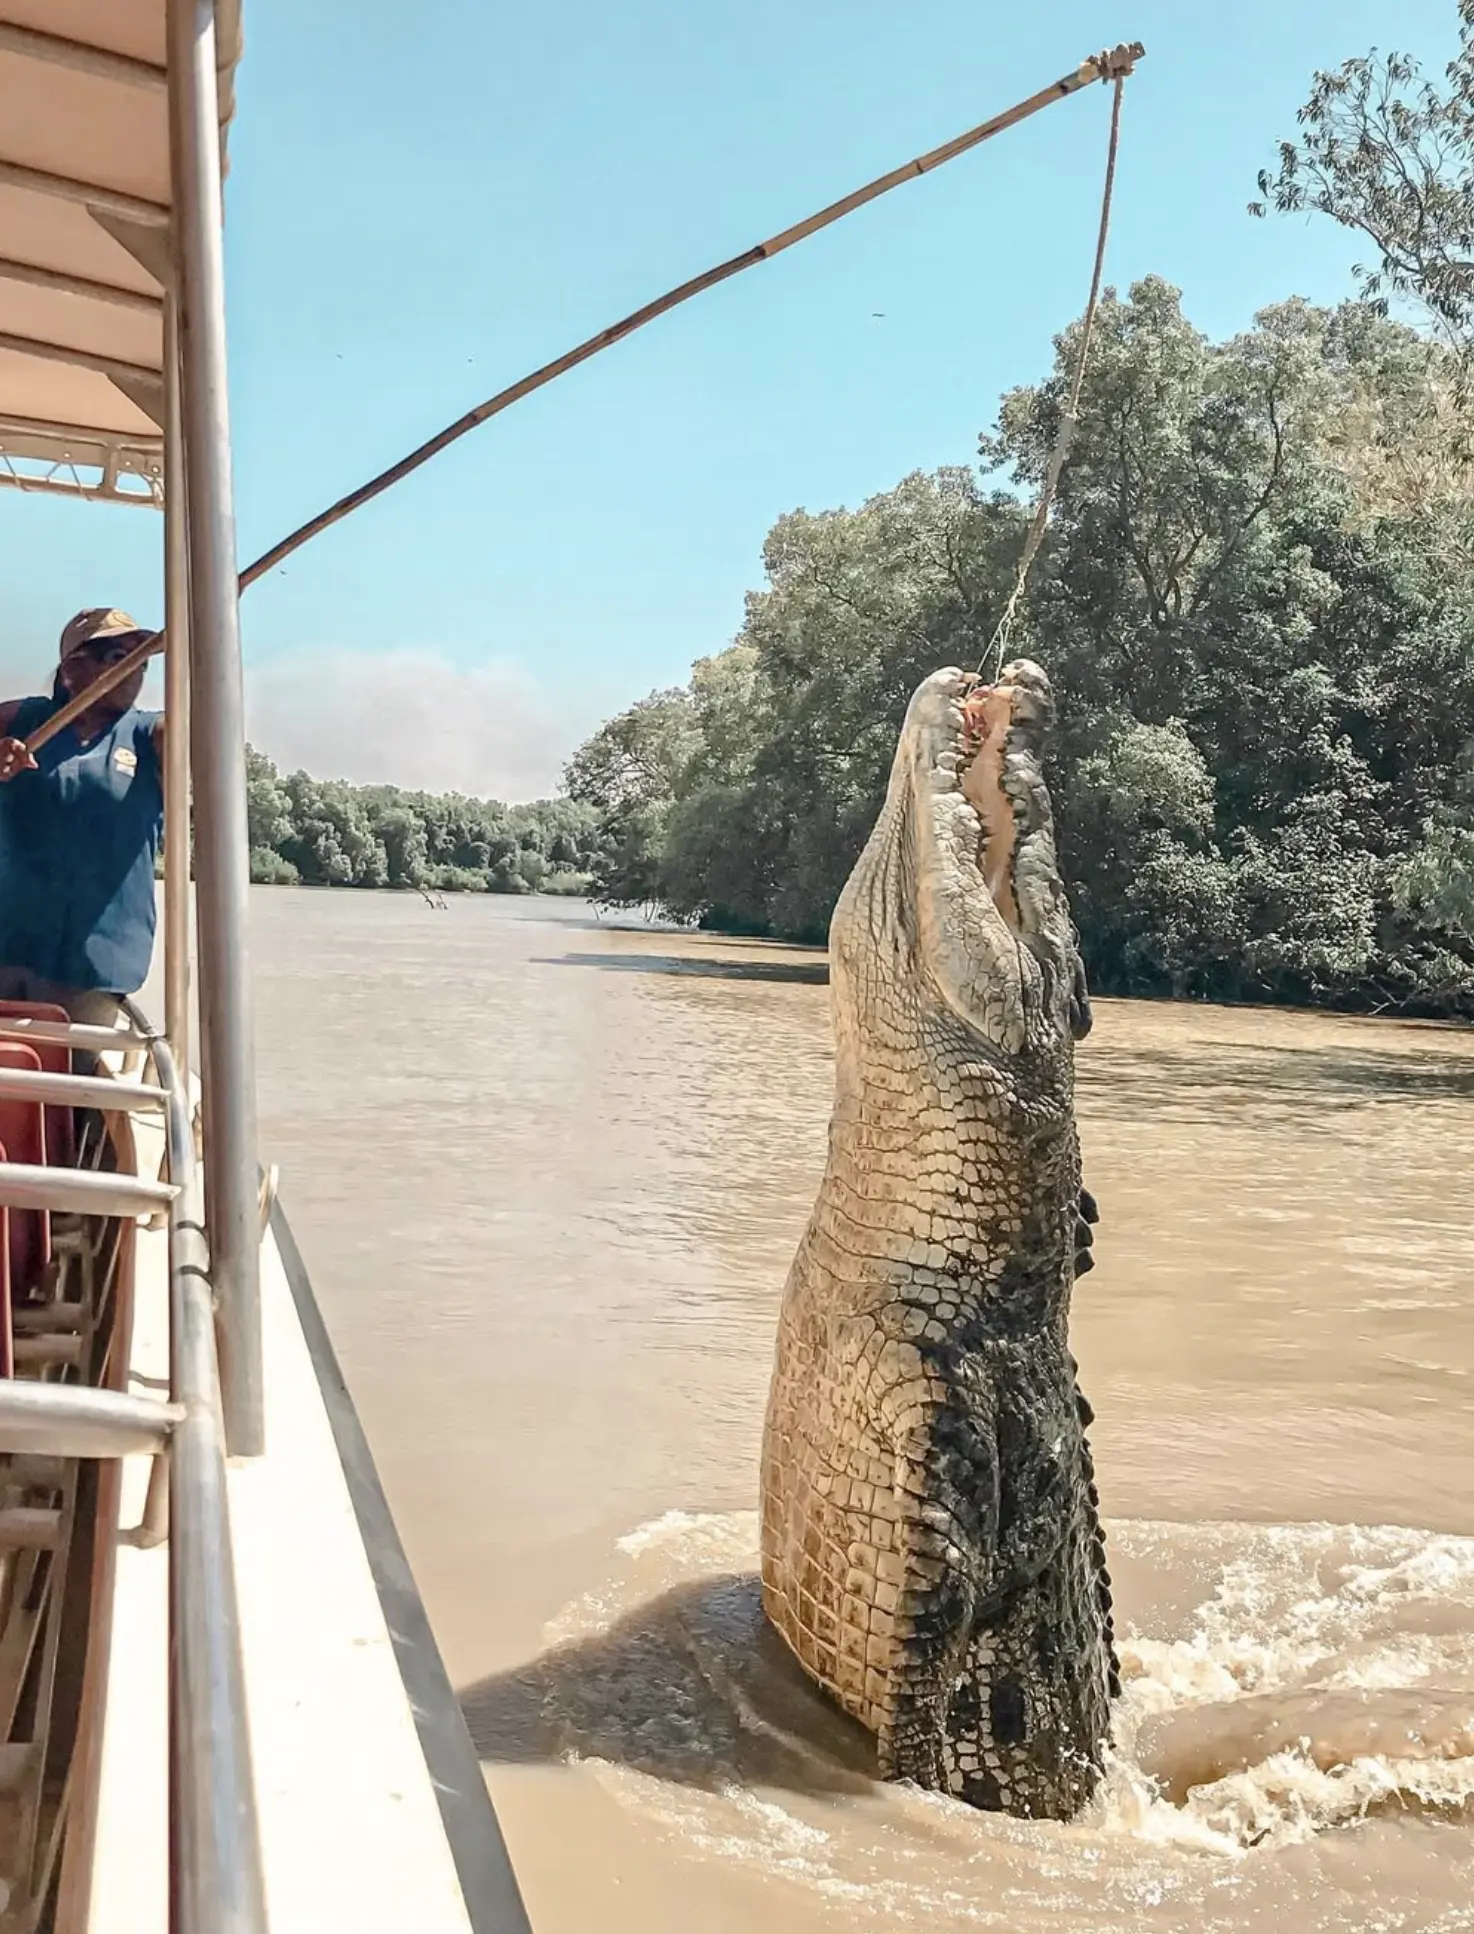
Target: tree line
column 326, row 832
column 1255, row 600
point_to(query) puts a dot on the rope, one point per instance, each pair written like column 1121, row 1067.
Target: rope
column 1070, row 420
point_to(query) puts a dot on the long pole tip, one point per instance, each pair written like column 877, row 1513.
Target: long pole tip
column 1116, row 64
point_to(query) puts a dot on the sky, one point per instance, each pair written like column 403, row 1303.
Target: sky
column 424, row 208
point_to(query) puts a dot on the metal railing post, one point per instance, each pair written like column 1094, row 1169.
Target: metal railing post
column 215, row 1844
column 176, row 710
column 218, row 737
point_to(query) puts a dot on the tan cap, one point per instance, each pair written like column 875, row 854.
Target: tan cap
column 88, row 626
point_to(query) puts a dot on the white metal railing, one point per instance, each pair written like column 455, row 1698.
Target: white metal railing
column 78, row 1091
column 74, row 1420
column 80, row 1191
column 216, row 1883
column 72, row 1034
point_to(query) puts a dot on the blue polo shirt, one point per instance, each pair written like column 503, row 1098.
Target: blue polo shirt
column 78, row 841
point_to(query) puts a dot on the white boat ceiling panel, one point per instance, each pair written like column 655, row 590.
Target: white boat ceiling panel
column 84, row 136
column 62, row 236
column 86, row 126
column 74, row 398
column 132, row 28
column 79, row 324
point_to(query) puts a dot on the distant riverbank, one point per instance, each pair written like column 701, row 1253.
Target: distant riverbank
column 327, row 832
column 557, row 884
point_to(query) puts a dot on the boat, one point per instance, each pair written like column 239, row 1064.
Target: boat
column 223, row 1707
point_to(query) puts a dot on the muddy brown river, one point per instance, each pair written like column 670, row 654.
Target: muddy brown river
column 548, row 1176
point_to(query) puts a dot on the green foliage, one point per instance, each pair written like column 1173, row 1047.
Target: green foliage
column 1435, row 882
column 268, row 810
column 329, row 833
column 626, row 775
column 1391, row 155
column 268, row 868
column 1255, row 603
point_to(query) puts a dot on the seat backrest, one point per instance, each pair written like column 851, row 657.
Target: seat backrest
column 23, row 1132
column 60, row 1129
column 39, row 1011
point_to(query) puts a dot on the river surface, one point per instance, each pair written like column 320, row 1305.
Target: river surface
column 548, row 1176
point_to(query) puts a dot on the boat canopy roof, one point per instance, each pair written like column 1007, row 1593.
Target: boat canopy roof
column 84, row 240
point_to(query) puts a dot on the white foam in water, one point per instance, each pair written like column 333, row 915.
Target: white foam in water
column 1300, row 1637
column 1310, row 1611
column 688, row 1530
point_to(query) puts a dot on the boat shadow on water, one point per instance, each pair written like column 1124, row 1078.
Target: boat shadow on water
column 691, row 1686
column 806, row 973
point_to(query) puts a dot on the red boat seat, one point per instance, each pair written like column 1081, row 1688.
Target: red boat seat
column 23, row 1132
column 60, row 1128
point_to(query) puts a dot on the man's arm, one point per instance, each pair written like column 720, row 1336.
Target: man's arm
column 14, row 757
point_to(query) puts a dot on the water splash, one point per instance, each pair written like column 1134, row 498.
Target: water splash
column 1280, row 1682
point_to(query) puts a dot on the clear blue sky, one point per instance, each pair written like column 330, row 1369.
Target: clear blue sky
column 426, row 202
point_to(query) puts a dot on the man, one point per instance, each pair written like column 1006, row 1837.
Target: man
column 81, row 825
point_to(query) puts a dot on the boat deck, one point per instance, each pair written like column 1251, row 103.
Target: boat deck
column 351, row 1828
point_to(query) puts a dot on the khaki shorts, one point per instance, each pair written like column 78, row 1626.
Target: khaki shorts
column 89, row 1005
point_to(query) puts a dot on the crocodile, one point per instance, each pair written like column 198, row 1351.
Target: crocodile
column 932, row 1551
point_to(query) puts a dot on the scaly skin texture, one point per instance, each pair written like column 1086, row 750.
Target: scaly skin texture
column 931, row 1545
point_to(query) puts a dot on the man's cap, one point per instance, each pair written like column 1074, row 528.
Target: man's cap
column 89, row 626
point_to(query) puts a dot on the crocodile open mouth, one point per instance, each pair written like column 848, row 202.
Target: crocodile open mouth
column 987, row 718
